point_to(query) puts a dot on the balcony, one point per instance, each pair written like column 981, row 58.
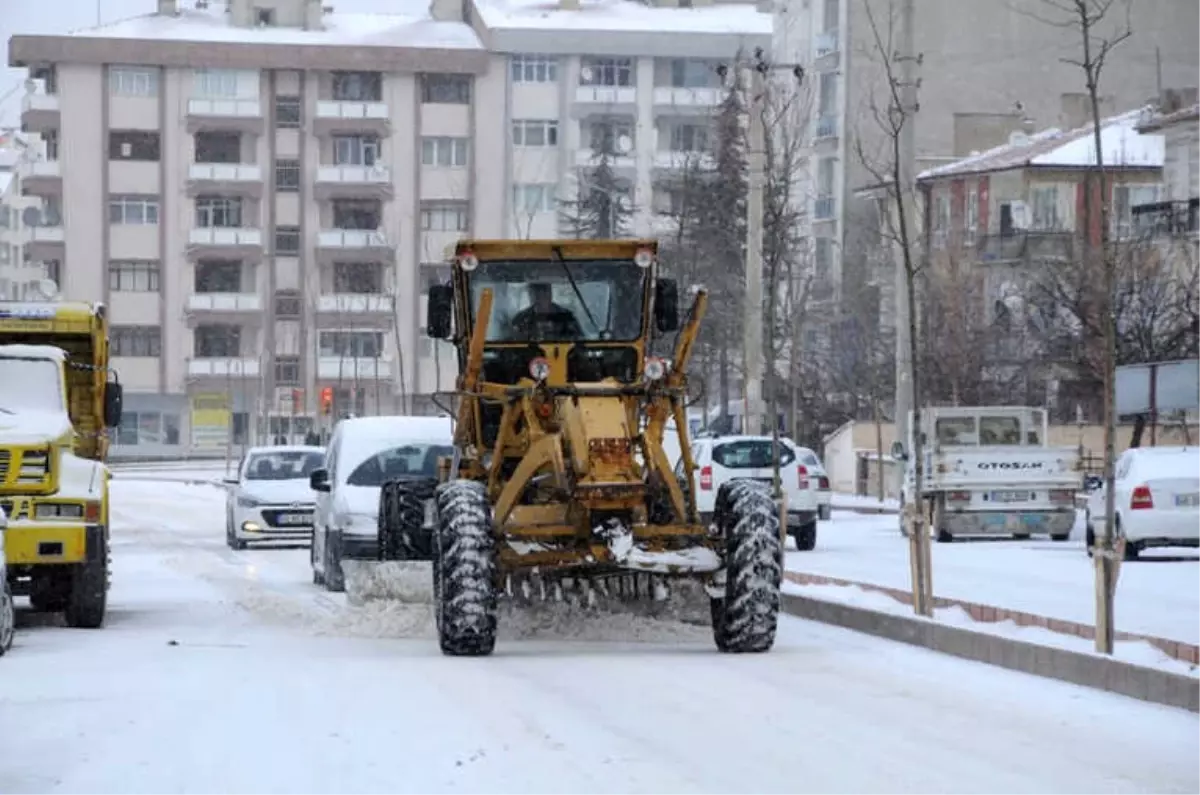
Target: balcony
column 225, row 303
column 826, row 43
column 350, row 368
column 702, row 99
column 40, row 178
column 222, row 367
column 826, row 126
column 354, row 304
column 225, row 242
column 1167, row 219
column 46, row 243
column 823, row 208
column 669, row 160
column 354, row 245
column 353, row 182
column 342, row 116
column 606, row 95
column 1021, row 246
column 236, row 179
column 587, row 158
column 40, row 113
column 242, row 115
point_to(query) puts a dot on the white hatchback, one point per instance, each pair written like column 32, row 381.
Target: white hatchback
column 1156, row 497
column 270, row 498
column 720, row 459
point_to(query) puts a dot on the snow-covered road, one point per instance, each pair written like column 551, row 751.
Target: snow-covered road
column 1158, row 595
column 222, row 671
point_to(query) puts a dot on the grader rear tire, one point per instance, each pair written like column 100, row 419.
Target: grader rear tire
column 745, row 619
column 465, row 565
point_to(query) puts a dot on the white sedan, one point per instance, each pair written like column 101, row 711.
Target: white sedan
column 270, row 498
column 1156, row 497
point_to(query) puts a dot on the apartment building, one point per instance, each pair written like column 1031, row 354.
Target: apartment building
column 19, row 154
column 1176, row 214
column 263, row 190
column 986, row 68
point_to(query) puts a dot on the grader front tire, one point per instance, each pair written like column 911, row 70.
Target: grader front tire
column 465, row 565
column 745, row 619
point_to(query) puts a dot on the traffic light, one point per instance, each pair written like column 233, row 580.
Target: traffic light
column 327, row 400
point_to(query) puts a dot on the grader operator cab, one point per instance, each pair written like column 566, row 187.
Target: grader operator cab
column 559, row 471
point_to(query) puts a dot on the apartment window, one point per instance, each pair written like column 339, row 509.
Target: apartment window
column 829, row 17
column 535, row 132
column 133, row 277
column 287, row 176
column 361, row 344
column 357, row 278
column 606, row 72
column 941, row 218
column 52, row 268
column 355, row 150
column 1045, row 208
column 694, row 73
column 218, row 147
column 7, row 216
column 827, row 101
column 133, row 81
column 445, row 217
column 432, row 273
column 264, row 17
column 534, row 69
column 5, row 253
column 1125, row 198
column 689, row 138
column 133, row 145
column 535, row 198
column 607, row 135
column 287, row 305
column 971, row 222
column 215, row 83
column 825, row 176
column 287, row 112
column 444, row 151
column 50, row 139
column 148, row 427
column 287, row 370
column 217, row 340
column 357, row 214
column 446, row 89
column 287, row 240
column 822, row 260
column 132, row 209
column 357, row 86
column 135, row 340
column 218, row 276
column 218, row 211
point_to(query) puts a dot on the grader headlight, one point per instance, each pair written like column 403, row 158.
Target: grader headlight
column 539, row 369
column 655, row 369
column 644, row 258
column 468, row 261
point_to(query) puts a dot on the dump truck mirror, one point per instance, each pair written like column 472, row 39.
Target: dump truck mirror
column 666, row 305
column 318, row 480
column 112, row 404
column 439, row 310
column 898, row 451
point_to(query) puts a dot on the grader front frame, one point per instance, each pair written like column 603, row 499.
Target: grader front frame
column 559, row 470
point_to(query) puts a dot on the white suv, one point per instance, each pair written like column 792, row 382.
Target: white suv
column 723, row 458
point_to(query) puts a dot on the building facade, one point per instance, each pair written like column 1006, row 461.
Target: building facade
column 19, row 215
column 262, row 192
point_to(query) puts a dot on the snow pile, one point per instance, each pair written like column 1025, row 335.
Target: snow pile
column 1137, row 652
column 410, row 582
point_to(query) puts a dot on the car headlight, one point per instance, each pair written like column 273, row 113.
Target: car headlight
column 248, row 502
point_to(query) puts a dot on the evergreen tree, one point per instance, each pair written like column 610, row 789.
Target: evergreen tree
column 602, row 208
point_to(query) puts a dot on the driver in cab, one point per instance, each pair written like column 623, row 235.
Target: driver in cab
column 545, row 320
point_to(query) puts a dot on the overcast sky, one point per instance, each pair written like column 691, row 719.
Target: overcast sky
column 62, row 16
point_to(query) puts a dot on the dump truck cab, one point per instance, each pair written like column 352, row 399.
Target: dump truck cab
column 57, row 402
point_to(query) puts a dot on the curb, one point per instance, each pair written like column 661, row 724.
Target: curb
column 989, row 614
column 1113, row 676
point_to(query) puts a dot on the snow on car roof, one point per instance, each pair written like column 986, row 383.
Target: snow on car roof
column 410, row 26
column 1167, row 461
column 363, row 437
column 284, row 448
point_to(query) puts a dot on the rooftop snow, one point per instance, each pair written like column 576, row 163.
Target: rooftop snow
column 623, row 16
column 1121, row 143
column 414, row 28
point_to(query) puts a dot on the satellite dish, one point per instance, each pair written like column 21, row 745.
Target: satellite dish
column 586, row 73
column 31, row 216
column 624, row 144
column 47, row 288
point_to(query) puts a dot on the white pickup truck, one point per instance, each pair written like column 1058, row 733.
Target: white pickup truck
column 988, row 471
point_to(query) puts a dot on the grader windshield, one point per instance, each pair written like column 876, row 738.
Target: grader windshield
column 561, row 300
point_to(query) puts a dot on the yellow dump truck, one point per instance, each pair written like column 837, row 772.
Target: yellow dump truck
column 58, row 400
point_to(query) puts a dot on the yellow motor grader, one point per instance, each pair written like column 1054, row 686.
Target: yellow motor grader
column 559, row 469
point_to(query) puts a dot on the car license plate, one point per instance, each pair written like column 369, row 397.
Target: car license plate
column 1010, row 496
column 294, row 518
column 1187, row 500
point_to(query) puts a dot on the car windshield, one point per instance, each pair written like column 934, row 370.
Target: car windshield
column 283, row 465
column 536, row 300
column 750, row 454
column 29, row 384
column 410, row 460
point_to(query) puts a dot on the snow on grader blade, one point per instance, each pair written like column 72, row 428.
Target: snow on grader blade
column 559, row 488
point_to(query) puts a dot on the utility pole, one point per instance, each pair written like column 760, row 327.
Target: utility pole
column 753, row 412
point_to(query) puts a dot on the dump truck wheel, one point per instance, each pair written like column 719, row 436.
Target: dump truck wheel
column 806, row 537
column 88, row 599
column 401, row 521
column 48, row 593
column 464, row 556
column 745, row 619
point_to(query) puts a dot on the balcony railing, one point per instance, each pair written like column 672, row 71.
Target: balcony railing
column 606, row 95
column 1166, row 219
column 354, row 303
column 224, row 302
column 826, row 126
column 224, row 172
column 224, row 236
column 225, row 108
column 350, row 368
column 701, row 96
column 1022, row 245
column 352, row 238
column 330, row 109
column 223, row 367
column 823, row 208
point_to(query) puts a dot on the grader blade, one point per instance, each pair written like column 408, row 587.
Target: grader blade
column 409, row 582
